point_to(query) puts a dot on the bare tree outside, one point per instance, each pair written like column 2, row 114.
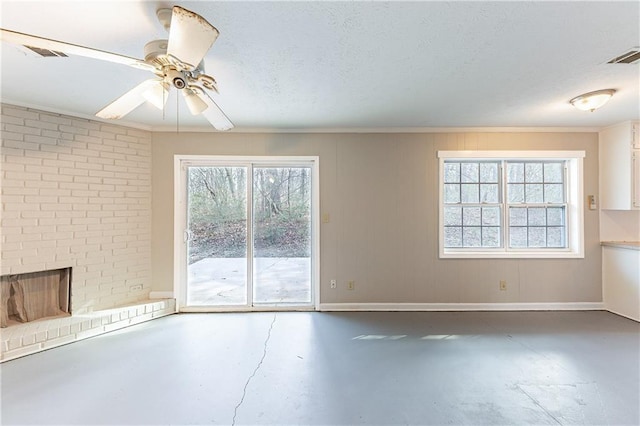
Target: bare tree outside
column 217, row 212
column 282, row 215
column 217, row 206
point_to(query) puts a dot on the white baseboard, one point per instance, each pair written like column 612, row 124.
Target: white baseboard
column 435, row 307
column 637, row 319
column 571, row 306
column 161, row 295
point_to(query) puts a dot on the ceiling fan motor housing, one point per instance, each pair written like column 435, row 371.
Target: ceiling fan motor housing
column 155, row 53
column 176, row 78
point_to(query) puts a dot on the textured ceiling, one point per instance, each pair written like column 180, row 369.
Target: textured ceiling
column 346, row 65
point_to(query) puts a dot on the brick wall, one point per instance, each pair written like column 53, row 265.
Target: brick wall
column 77, row 193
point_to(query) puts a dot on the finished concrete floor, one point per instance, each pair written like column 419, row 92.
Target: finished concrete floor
column 493, row 368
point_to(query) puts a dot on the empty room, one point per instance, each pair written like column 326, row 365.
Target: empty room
column 320, row 213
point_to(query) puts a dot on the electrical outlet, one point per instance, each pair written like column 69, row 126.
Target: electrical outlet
column 503, row 285
column 136, row 287
column 351, row 285
column 334, row 283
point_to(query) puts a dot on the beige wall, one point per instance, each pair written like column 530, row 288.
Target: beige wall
column 381, row 191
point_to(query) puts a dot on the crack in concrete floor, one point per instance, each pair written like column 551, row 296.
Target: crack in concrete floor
column 255, row 371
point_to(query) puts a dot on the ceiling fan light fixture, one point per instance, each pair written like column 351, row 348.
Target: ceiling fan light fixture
column 593, row 100
column 156, row 95
column 194, row 102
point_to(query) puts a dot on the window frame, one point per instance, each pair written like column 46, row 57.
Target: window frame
column 574, row 217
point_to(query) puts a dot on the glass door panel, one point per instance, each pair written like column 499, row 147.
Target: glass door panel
column 282, row 235
column 217, row 236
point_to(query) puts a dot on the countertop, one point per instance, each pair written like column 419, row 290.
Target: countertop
column 629, row 245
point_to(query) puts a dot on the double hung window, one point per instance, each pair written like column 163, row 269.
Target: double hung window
column 511, row 204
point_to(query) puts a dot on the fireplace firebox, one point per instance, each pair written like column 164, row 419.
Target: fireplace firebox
column 35, row 295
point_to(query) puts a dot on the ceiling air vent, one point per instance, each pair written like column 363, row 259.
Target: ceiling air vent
column 631, row 57
column 46, row 53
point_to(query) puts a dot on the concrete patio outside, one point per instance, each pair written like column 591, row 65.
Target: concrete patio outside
column 222, row 281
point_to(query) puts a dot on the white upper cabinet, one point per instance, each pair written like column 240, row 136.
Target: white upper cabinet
column 620, row 166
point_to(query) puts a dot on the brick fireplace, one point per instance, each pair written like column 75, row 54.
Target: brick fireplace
column 76, row 193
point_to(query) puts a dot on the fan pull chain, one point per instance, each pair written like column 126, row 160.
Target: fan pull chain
column 165, row 96
column 177, row 113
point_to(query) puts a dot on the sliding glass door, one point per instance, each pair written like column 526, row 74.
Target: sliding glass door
column 248, row 232
column 282, row 235
column 217, row 236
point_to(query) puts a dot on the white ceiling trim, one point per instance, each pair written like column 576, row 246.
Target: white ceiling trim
column 382, row 130
column 374, row 130
column 53, row 110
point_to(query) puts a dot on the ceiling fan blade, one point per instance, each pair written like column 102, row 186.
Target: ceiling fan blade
column 27, row 40
column 212, row 113
column 130, row 100
column 190, row 37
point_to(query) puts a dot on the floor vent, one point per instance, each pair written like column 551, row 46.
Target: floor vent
column 46, row 53
column 631, row 57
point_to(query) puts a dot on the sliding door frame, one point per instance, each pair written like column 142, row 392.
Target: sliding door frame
column 180, row 246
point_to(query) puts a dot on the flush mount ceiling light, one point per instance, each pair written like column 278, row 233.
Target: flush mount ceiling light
column 593, row 100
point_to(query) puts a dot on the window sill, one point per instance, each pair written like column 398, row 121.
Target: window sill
column 511, row 255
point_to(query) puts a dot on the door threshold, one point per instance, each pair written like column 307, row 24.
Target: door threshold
column 218, row 309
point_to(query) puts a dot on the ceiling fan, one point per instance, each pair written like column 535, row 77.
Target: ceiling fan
column 176, row 62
